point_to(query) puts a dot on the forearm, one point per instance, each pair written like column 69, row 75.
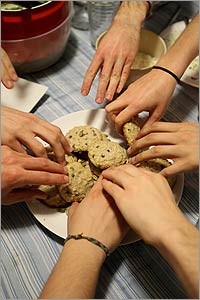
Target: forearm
column 184, row 50
column 131, row 13
column 76, row 272
column 180, row 248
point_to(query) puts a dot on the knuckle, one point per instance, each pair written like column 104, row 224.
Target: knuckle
column 155, row 151
column 41, row 151
column 150, row 138
column 129, row 61
column 16, row 175
column 44, row 163
column 90, row 73
column 115, row 76
column 103, row 77
column 118, row 121
column 10, row 159
column 125, row 73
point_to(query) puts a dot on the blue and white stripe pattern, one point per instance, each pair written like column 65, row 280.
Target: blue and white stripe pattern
column 29, row 251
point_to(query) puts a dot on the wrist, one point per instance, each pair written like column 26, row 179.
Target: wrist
column 163, row 77
column 131, row 13
column 173, row 233
column 84, row 248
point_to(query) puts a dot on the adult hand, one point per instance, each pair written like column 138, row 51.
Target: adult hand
column 19, row 170
column 87, row 217
column 114, row 57
column 145, row 94
column 150, row 211
column 170, row 141
column 20, row 129
column 8, row 73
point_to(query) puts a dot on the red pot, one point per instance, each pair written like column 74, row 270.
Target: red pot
column 36, row 38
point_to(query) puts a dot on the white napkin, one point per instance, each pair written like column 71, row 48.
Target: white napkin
column 24, row 96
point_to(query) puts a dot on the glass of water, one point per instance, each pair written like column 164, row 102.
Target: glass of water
column 100, row 15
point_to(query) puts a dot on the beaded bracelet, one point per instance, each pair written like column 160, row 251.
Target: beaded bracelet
column 167, row 71
column 91, row 240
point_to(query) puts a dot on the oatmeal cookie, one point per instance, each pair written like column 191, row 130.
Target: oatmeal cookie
column 130, row 131
column 104, row 154
column 132, row 128
column 156, row 165
column 81, row 136
column 53, row 197
column 80, row 182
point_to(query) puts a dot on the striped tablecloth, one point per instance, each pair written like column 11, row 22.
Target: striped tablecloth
column 29, row 251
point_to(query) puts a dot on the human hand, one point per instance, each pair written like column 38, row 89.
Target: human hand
column 97, row 216
column 149, row 211
column 114, row 57
column 18, row 170
column 8, row 73
column 20, row 128
column 145, row 94
column 171, row 141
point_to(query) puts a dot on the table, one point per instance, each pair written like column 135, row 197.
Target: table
column 30, row 251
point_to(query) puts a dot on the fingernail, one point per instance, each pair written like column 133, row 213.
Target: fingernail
column 109, row 97
column 129, row 150
column 70, row 149
column 133, row 160
column 66, row 179
column 98, row 100
column 15, row 77
column 9, row 83
column 65, row 170
column 63, row 163
column 84, row 92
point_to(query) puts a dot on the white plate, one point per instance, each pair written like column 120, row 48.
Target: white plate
column 52, row 218
column 23, row 96
column 170, row 35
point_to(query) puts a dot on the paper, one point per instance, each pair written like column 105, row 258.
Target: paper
column 24, row 96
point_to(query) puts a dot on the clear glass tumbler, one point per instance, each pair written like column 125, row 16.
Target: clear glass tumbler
column 100, row 15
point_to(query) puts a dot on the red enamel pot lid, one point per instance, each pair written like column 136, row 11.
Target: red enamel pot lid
column 27, row 23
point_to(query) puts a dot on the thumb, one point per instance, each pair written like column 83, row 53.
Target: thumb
column 70, row 210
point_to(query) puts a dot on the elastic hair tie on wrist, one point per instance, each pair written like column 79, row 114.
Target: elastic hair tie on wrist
column 167, row 71
column 89, row 239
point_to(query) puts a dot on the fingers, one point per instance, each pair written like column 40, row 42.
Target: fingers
column 114, row 108
column 42, row 177
column 104, row 80
column 42, row 164
column 29, row 140
column 112, row 189
column 155, row 152
column 121, row 175
column 123, row 117
column 157, row 127
column 174, row 169
column 8, row 72
column 20, row 195
column 17, row 146
column 91, row 73
column 154, row 116
column 124, row 76
column 114, row 79
column 50, row 134
column 152, row 139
